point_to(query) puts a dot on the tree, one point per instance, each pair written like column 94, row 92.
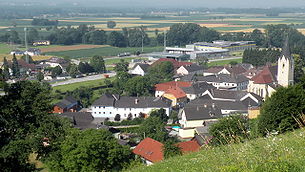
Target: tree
column 135, row 37
column 121, row 80
column 160, row 113
column 98, row 64
column 56, row 71
column 117, row 117
column 154, row 128
column 232, row 129
column 138, row 86
column 85, row 67
column 22, row 109
column 90, row 150
column 280, row 112
column 14, row 37
column 162, row 72
column 29, row 57
column 32, row 36
column 116, row 39
column 40, row 76
column 84, row 94
column 15, row 67
column 6, row 71
column 298, row 67
column 72, row 69
column 97, row 37
column 174, row 116
column 111, row 24
column 122, row 66
column 170, row 149
column 258, row 37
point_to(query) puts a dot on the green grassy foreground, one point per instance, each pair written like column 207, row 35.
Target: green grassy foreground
column 280, row 153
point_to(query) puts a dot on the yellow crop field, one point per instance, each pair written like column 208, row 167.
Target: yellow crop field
column 245, row 30
column 121, row 25
column 35, row 58
column 212, row 25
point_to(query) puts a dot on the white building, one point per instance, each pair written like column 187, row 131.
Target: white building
column 271, row 77
column 190, row 69
column 109, row 106
column 139, row 69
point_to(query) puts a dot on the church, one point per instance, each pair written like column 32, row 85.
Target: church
column 272, row 77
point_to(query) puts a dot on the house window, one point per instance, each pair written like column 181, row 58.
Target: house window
column 104, row 107
column 103, row 112
column 135, row 115
column 99, row 112
column 110, row 112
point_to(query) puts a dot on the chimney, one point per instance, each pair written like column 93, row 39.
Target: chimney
column 213, row 105
column 205, row 105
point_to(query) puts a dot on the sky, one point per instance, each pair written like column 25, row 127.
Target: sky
column 172, row 3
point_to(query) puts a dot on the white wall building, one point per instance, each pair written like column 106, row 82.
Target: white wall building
column 108, row 106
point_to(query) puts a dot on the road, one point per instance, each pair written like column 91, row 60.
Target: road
column 83, row 79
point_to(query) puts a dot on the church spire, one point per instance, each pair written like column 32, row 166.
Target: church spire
column 286, row 48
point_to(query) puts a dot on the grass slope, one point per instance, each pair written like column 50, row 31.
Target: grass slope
column 280, row 153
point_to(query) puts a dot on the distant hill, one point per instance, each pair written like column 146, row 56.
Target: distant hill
column 280, row 153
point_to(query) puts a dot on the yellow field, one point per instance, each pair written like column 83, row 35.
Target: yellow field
column 10, row 57
column 212, row 25
column 302, row 31
column 120, row 25
column 246, row 30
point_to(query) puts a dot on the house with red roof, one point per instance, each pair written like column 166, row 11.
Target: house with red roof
column 189, row 146
column 176, row 95
column 150, row 151
column 162, row 87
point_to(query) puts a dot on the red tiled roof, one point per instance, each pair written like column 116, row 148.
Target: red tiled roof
column 175, row 63
column 189, row 146
column 264, row 77
column 23, row 64
column 176, row 92
column 214, row 69
column 149, row 149
column 166, row 85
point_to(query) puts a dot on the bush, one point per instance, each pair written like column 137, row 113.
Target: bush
column 117, row 117
column 232, row 129
column 135, row 121
column 282, row 110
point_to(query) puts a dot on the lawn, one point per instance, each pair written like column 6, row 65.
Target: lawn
column 223, row 62
column 274, row 154
column 127, row 59
column 103, row 51
column 71, row 87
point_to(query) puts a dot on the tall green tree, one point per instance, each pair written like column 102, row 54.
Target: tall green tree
column 170, row 149
column 122, row 66
column 116, row 39
column 32, row 36
column 154, row 128
column 281, row 111
column 40, row 76
column 161, row 113
column 98, row 64
column 138, row 86
column 90, row 150
column 56, row 71
column 15, row 67
column 6, row 71
column 162, row 72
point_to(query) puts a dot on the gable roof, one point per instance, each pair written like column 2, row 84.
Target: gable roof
column 214, row 69
column 227, row 94
column 223, row 105
column 192, row 67
column 189, row 146
column 286, row 50
column 266, row 76
column 166, row 85
column 67, row 101
column 236, row 70
column 131, row 102
column 150, row 149
column 222, row 78
column 197, row 88
column 175, row 63
column 202, row 112
column 22, row 63
column 143, row 66
column 176, row 92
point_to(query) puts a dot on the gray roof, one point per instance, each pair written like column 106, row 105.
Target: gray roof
column 223, row 78
column 197, row 88
column 66, row 102
column 131, row 102
column 201, row 112
column 141, row 102
column 105, row 100
column 193, row 67
column 286, row 49
column 223, row 105
column 188, row 78
column 227, row 94
column 143, row 66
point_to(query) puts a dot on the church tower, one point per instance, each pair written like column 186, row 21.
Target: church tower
column 285, row 70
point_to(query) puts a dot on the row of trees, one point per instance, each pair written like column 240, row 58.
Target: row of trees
column 259, row 57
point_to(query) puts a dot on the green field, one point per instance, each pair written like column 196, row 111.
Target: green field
column 274, row 154
column 71, row 87
column 223, row 62
column 103, row 51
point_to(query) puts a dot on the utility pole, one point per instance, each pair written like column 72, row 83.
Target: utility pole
column 26, row 45
column 164, row 41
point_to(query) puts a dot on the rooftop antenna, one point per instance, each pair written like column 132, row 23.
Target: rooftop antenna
column 26, row 45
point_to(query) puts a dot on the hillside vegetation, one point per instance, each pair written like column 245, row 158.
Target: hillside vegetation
column 279, row 153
